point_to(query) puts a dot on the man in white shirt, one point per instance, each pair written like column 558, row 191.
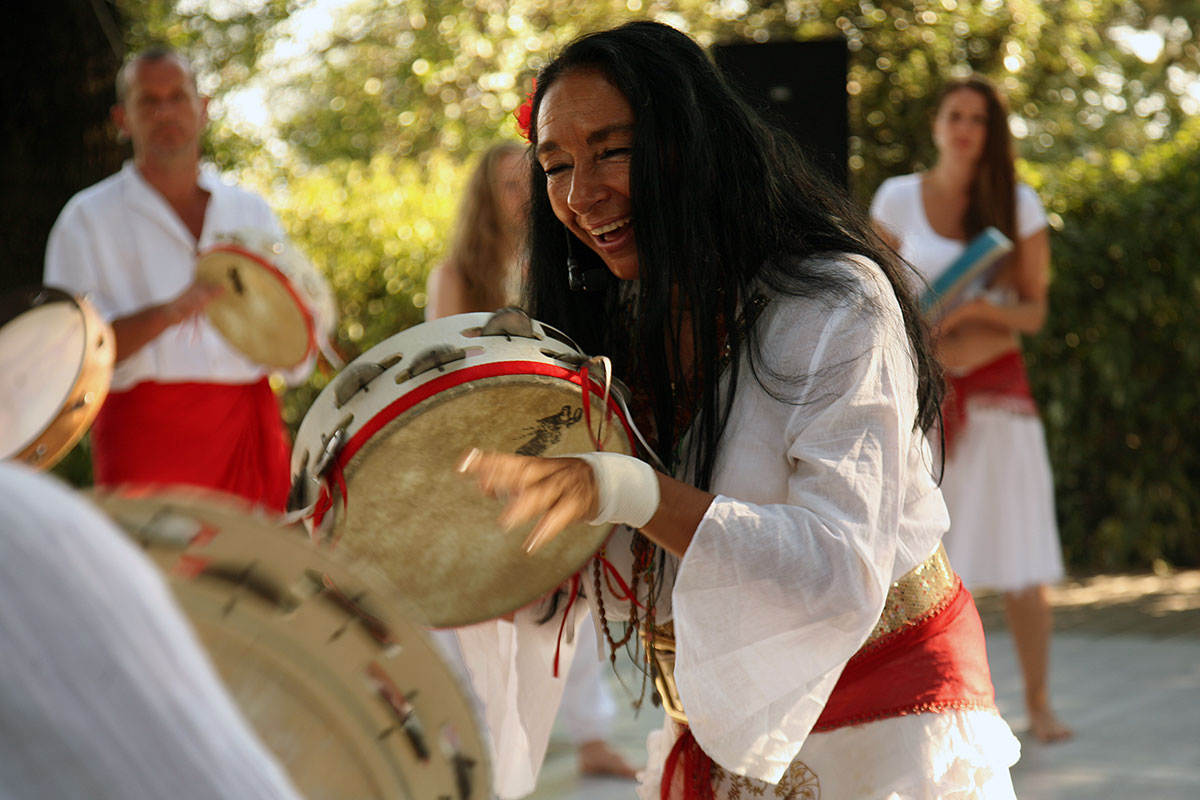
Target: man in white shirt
column 185, row 407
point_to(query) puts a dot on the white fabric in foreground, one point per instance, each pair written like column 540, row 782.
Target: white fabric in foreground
column 999, row 489
column 588, row 706
column 105, row 692
column 122, row 245
column 519, row 713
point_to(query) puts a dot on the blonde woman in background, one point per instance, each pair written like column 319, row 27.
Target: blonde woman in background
column 483, row 272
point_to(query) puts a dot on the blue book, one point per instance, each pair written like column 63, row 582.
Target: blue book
column 968, row 275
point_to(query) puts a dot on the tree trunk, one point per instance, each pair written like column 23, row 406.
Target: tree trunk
column 58, row 62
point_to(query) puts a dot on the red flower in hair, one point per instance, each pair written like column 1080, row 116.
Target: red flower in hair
column 524, row 114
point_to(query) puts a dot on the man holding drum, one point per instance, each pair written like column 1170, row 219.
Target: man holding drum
column 818, row 641
column 185, row 407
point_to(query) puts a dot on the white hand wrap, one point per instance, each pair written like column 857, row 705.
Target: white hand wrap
column 628, row 489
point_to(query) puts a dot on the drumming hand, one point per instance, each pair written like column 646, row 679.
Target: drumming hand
column 602, row 488
column 191, row 302
column 559, row 490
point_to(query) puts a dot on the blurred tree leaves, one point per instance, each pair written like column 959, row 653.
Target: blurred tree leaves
column 1115, row 368
column 374, row 228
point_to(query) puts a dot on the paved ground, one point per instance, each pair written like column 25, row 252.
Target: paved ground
column 1125, row 674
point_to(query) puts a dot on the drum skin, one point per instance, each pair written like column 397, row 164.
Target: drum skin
column 57, row 355
column 276, row 309
column 408, row 510
column 325, row 661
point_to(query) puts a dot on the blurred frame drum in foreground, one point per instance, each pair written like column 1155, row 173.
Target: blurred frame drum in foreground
column 56, row 364
column 325, row 660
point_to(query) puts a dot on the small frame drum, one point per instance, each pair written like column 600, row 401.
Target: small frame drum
column 386, row 434
column 322, row 659
column 276, row 308
column 56, row 364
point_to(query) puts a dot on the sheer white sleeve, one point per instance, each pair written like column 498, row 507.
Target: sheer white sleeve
column 780, row 586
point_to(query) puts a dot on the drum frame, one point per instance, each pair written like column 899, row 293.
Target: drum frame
column 320, row 624
column 424, row 363
column 242, row 251
column 92, row 380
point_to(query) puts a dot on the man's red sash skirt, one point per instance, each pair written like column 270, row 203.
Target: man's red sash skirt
column 227, row 437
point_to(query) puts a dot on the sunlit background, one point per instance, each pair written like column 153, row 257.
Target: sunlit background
column 359, row 121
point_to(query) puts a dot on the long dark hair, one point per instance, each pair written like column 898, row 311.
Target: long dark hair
column 722, row 204
column 993, row 193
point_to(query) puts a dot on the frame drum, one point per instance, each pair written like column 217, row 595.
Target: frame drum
column 385, row 436
column 322, row 658
column 56, row 364
column 276, row 309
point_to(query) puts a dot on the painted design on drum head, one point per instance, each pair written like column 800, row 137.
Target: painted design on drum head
column 548, row 431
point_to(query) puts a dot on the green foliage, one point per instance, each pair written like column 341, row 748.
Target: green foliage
column 375, row 229
column 1072, row 88
column 76, row 466
column 1115, row 368
column 223, row 39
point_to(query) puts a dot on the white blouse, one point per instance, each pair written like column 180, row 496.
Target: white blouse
column 824, row 499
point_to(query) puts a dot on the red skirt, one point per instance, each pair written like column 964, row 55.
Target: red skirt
column 227, row 437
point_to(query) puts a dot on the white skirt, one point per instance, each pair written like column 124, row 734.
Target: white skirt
column 999, row 489
column 964, row 755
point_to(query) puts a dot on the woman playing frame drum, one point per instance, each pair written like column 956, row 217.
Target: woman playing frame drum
column 782, row 564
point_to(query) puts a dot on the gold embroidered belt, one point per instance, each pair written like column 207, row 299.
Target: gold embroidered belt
column 920, row 592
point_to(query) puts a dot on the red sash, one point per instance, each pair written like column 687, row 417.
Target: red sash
column 227, row 437
column 1002, row 381
column 938, row 664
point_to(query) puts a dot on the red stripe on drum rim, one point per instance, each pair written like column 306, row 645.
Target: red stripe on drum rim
column 310, row 324
column 449, row 381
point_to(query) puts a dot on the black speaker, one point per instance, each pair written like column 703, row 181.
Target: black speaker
column 801, row 87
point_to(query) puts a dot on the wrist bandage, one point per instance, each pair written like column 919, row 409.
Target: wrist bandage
column 627, row 488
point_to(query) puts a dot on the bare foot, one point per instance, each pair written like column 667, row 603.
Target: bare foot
column 1048, row 728
column 598, row 757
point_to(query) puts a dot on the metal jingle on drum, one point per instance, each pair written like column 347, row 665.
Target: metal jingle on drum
column 325, row 660
column 56, row 364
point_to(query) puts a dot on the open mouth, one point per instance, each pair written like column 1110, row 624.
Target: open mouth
column 612, row 231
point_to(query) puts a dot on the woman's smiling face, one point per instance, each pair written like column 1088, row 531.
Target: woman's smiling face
column 585, row 145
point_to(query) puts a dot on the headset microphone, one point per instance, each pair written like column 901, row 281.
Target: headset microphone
column 584, row 280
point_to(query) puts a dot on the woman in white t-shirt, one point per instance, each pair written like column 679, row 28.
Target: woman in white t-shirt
column 997, row 481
